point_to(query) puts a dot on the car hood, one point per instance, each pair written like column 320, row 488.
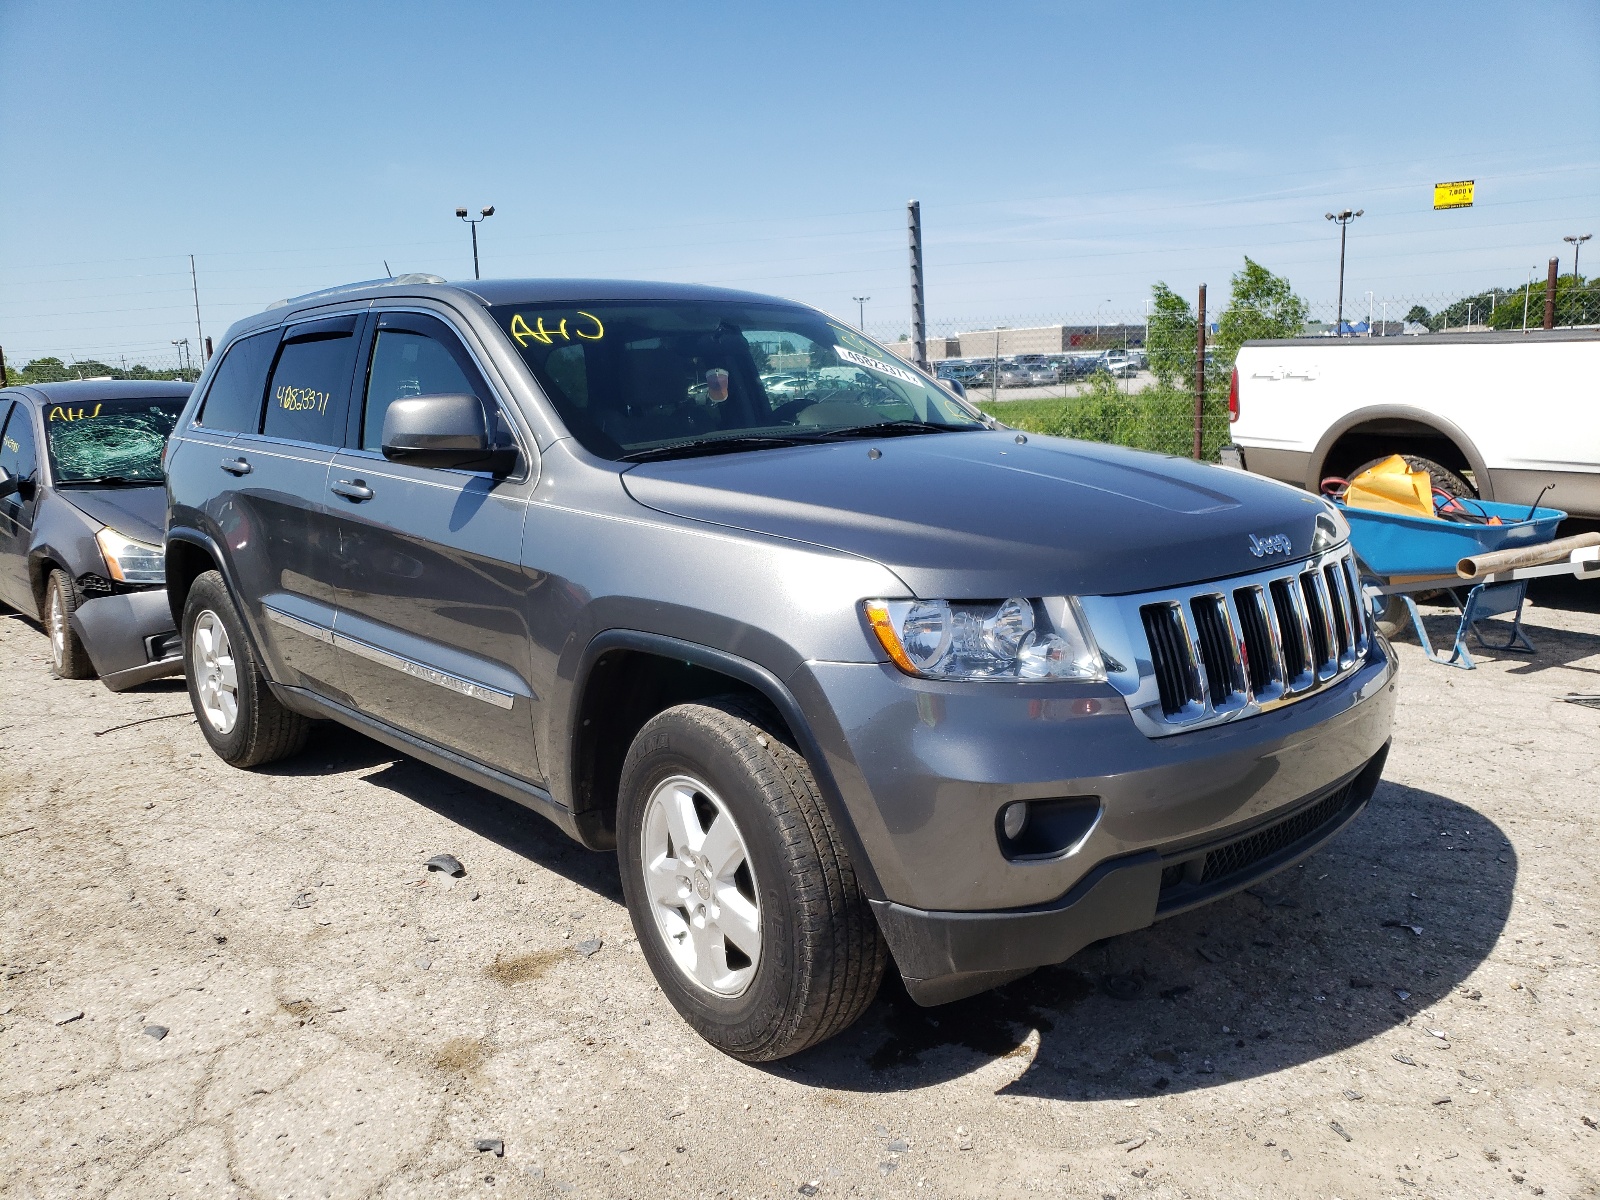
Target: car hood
column 136, row 512
column 986, row 514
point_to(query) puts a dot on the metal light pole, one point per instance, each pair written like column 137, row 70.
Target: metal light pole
column 1369, row 314
column 483, row 215
column 182, row 346
column 1343, row 218
column 1577, row 244
column 861, row 311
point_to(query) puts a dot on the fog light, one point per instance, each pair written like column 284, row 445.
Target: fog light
column 1014, row 819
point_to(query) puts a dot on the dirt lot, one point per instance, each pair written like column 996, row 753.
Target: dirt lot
column 1411, row 1013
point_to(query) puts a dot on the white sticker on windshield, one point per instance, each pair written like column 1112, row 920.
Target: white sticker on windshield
column 874, row 364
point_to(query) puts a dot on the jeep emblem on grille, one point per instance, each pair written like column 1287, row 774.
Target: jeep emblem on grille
column 1273, row 543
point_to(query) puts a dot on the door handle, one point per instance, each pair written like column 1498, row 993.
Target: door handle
column 236, row 466
column 351, row 489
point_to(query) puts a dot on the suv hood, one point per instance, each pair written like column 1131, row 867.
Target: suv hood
column 136, row 512
column 978, row 516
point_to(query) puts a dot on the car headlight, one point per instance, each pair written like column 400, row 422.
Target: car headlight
column 130, row 561
column 1013, row 639
column 1332, row 529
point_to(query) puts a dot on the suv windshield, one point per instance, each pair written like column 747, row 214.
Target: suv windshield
column 109, row 441
column 636, row 379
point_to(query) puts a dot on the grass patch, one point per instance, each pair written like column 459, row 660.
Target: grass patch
column 1158, row 418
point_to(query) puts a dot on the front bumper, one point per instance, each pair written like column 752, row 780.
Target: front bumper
column 946, row 956
column 129, row 637
column 924, row 768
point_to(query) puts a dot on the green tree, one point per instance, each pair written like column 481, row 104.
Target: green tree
column 1577, row 303
column 1260, row 305
column 1419, row 316
column 1171, row 340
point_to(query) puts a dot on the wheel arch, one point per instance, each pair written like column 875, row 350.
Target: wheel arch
column 1397, row 423
column 607, row 709
column 189, row 554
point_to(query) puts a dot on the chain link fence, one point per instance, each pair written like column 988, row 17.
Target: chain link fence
column 59, row 368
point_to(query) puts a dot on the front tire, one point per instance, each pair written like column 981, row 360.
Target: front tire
column 68, row 658
column 739, row 886
column 238, row 714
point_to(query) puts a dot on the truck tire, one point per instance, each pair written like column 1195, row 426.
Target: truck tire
column 236, row 711
column 741, row 892
column 68, row 658
column 1443, row 477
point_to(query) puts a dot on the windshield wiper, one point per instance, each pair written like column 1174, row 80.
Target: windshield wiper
column 112, row 481
column 879, row 428
column 715, row 445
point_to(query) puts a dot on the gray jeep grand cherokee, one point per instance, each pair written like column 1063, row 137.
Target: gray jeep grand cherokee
column 841, row 669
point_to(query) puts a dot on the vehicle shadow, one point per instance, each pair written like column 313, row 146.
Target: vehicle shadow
column 1384, row 921
column 334, row 749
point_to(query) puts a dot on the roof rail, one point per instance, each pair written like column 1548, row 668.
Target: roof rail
column 393, row 280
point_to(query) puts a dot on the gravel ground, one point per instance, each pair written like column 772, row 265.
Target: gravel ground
column 223, row 983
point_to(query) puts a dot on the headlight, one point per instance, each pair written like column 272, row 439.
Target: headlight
column 1012, row 639
column 1332, row 529
column 130, row 561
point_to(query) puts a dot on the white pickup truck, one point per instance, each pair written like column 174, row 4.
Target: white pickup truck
column 1501, row 415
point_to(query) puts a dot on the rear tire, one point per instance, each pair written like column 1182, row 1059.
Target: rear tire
column 68, row 658
column 238, row 714
column 794, row 952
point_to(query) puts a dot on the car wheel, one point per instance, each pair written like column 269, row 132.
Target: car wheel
column 741, row 892
column 237, row 712
column 68, row 658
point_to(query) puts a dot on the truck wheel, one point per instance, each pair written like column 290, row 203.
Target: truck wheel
column 236, row 710
column 1443, row 477
column 741, row 893
column 68, row 658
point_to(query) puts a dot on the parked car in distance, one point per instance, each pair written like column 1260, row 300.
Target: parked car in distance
column 1502, row 416
column 1120, row 364
column 846, row 676
column 82, row 514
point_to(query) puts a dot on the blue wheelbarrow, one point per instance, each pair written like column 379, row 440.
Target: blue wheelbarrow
column 1405, row 556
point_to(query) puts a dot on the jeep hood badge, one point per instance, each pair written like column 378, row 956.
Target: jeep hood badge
column 1273, row 543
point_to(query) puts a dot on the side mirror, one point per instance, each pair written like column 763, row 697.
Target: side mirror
column 443, row 431
column 956, row 386
column 8, row 484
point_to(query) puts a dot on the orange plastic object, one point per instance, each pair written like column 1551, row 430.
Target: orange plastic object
column 1392, row 487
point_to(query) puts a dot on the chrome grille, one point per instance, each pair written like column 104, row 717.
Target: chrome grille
column 1201, row 655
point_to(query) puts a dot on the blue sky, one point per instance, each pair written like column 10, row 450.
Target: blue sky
column 1066, row 155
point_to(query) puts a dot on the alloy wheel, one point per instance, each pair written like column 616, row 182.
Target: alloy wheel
column 701, row 885
column 58, row 629
column 215, row 673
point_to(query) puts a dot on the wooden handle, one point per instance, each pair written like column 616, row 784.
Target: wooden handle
column 1524, row 556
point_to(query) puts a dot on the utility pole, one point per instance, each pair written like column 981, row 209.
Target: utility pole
column 483, row 215
column 1550, row 294
column 919, row 326
column 861, row 311
column 194, row 282
column 1200, row 374
column 1343, row 218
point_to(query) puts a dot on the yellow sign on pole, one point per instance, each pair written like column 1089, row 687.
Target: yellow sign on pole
column 1453, row 195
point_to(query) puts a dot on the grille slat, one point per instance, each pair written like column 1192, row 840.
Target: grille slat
column 1172, row 655
column 1247, row 851
column 1218, row 648
column 1268, row 642
column 1263, row 657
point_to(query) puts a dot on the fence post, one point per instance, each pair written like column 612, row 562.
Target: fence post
column 1200, row 373
column 1550, row 295
column 919, row 327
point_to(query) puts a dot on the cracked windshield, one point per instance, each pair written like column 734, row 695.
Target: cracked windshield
column 662, row 379
column 109, row 441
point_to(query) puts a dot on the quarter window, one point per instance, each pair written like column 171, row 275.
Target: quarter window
column 308, row 396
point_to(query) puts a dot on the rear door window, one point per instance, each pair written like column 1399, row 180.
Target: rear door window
column 308, row 396
column 233, row 401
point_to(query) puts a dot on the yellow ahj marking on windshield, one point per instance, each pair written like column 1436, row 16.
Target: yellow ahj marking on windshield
column 60, row 413
column 523, row 333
